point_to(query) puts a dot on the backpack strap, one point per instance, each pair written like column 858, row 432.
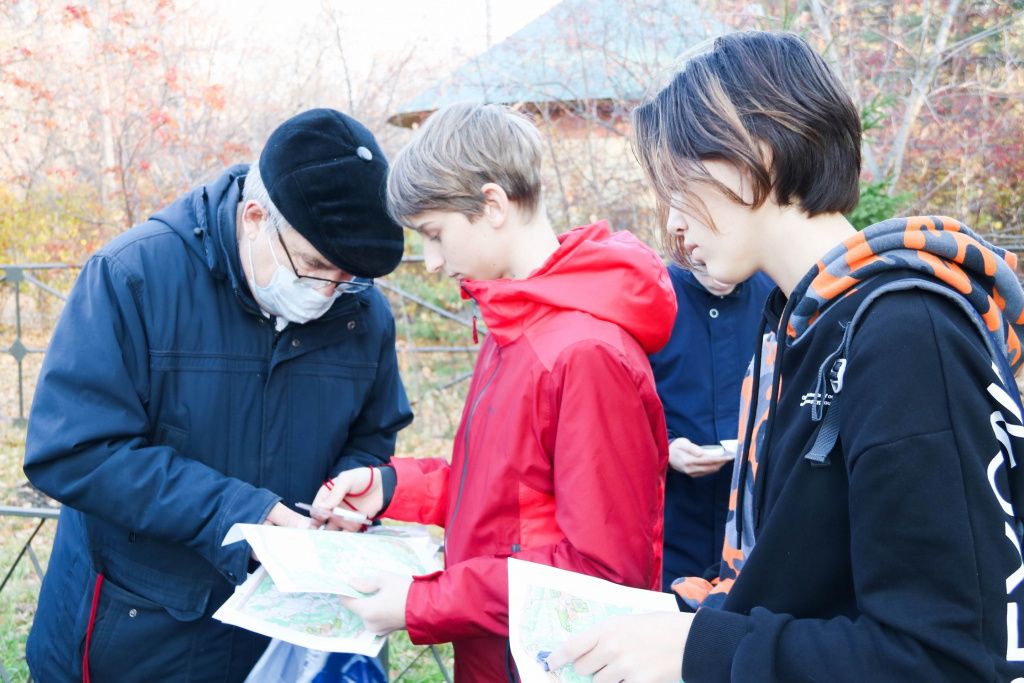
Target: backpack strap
column 826, row 410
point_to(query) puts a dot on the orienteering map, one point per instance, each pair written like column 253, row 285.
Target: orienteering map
column 294, row 595
column 547, row 606
column 311, row 561
column 314, row 620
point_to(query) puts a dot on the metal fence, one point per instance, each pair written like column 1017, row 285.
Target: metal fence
column 19, row 276
column 42, row 515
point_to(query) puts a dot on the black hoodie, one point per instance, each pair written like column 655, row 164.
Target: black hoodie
column 898, row 559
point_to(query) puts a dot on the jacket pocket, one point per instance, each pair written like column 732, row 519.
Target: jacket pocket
column 135, row 639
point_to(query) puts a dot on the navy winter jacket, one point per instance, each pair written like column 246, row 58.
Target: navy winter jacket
column 167, row 410
column 698, row 374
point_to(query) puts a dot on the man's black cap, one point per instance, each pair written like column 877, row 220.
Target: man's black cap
column 326, row 174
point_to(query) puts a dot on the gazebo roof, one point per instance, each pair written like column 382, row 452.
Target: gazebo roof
column 578, row 51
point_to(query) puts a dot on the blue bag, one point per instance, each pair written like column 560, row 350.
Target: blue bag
column 283, row 662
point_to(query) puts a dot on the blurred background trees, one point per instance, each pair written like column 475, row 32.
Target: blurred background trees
column 112, row 107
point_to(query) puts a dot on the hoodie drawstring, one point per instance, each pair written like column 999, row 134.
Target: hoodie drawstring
column 748, row 432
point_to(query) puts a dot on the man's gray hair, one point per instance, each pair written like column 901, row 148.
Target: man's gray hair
column 254, row 190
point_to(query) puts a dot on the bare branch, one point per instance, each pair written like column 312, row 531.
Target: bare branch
column 918, row 92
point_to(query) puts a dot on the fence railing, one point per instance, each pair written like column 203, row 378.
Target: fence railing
column 42, row 515
column 25, row 275
column 17, row 275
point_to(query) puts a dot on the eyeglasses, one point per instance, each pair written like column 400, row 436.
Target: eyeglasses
column 314, row 282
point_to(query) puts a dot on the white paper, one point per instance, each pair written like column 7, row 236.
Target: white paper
column 294, row 596
column 314, row 561
column 314, row 620
column 546, row 606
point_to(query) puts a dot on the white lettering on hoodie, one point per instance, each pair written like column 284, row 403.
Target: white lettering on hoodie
column 1002, row 431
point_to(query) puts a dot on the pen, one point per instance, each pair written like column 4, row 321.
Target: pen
column 337, row 512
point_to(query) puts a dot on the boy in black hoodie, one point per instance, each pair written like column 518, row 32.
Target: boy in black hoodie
column 875, row 525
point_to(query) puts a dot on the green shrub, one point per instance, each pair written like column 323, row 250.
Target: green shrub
column 876, row 205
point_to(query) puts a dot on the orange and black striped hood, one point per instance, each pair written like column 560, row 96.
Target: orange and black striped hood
column 936, row 246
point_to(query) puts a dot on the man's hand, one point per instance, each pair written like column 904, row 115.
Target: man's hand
column 643, row 648
column 384, row 610
column 338, row 492
column 282, row 515
column 689, row 458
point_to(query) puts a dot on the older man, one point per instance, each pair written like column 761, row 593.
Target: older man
column 212, row 366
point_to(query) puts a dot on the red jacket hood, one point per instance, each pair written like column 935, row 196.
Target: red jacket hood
column 612, row 276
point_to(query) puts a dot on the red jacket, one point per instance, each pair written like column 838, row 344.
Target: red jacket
column 561, row 453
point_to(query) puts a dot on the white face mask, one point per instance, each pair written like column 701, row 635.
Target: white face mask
column 285, row 297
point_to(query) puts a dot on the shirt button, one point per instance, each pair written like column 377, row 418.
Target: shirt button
column 351, row 325
column 231, row 576
column 296, row 343
column 198, row 232
column 132, row 613
column 713, row 312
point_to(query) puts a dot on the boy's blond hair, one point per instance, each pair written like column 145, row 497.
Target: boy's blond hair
column 456, row 152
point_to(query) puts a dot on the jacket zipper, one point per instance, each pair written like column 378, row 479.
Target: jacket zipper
column 465, row 443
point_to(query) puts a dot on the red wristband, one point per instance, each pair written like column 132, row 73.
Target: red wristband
column 366, row 490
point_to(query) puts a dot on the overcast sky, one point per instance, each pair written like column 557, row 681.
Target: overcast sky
column 441, row 30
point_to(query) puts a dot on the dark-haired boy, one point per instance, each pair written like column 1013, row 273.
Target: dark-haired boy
column 877, row 505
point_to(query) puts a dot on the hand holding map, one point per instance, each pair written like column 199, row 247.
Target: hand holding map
column 383, row 608
column 647, row 647
column 548, row 607
column 295, row 595
column 315, row 620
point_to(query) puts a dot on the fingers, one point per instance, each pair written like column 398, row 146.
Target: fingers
column 355, row 605
column 367, row 585
column 594, row 663
column 609, row 675
column 695, row 461
column 698, row 468
column 329, row 495
column 702, row 469
column 332, row 494
column 383, row 611
column 684, row 455
column 573, row 649
column 320, row 503
column 282, row 515
column 646, row 648
column 694, row 451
